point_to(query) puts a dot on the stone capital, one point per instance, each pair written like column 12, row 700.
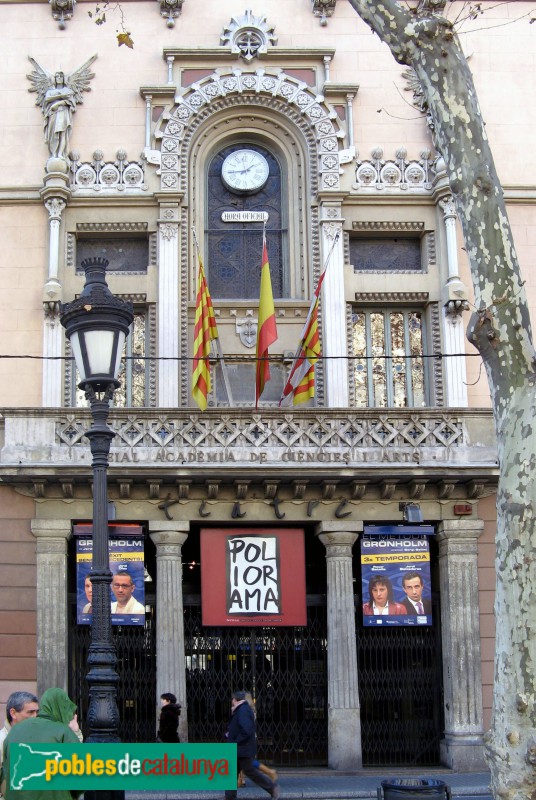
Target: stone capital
column 52, row 534
column 167, row 535
column 338, row 537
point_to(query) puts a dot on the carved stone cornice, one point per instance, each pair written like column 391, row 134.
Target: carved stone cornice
column 383, row 226
column 392, row 297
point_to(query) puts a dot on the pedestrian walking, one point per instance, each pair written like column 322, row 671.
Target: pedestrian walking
column 242, row 732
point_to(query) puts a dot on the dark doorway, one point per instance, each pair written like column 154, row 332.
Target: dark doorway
column 400, row 686
column 285, row 668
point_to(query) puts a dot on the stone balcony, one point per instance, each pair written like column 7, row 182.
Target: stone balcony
column 359, row 451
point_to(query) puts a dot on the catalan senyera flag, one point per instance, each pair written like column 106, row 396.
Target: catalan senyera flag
column 300, row 385
column 266, row 328
column 205, row 331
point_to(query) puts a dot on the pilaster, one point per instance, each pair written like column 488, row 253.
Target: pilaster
column 169, row 538
column 462, row 747
column 52, row 613
column 168, row 306
column 344, row 720
column 455, row 302
column 335, row 340
column 53, row 334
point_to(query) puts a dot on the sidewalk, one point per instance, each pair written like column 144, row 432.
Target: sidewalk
column 326, row 784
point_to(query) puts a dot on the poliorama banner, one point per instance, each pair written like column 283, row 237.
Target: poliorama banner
column 395, row 575
column 150, row 767
column 253, row 576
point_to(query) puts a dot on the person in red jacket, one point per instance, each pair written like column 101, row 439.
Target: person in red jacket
column 382, row 598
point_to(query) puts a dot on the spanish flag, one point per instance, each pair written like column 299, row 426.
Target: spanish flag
column 205, row 331
column 266, row 327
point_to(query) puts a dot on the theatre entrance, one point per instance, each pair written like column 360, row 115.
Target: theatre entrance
column 285, row 669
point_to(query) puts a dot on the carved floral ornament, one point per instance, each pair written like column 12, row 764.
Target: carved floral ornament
column 248, row 35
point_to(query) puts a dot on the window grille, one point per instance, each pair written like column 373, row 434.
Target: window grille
column 389, row 348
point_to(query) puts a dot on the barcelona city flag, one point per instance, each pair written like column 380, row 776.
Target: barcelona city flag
column 205, row 331
column 300, row 385
column 266, row 328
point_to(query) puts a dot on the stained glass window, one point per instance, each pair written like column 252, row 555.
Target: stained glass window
column 235, row 248
column 389, row 358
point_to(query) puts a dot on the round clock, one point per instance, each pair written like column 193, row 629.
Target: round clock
column 245, row 171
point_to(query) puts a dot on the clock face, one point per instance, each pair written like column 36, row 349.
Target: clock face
column 245, row 171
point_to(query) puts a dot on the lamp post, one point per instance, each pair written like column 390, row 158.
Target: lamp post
column 97, row 324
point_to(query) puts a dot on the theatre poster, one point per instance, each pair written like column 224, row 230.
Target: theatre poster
column 401, row 556
column 253, row 577
column 126, row 548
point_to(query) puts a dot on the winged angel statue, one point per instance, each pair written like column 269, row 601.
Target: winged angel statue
column 58, row 95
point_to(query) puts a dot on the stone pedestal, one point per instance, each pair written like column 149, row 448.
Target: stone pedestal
column 169, row 538
column 344, row 722
column 52, row 613
column 462, row 748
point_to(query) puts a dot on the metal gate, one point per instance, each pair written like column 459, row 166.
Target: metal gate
column 401, row 694
column 136, row 667
column 284, row 668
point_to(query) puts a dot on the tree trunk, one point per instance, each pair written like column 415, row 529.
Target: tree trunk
column 500, row 329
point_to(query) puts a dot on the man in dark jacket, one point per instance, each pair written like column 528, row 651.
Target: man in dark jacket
column 242, row 731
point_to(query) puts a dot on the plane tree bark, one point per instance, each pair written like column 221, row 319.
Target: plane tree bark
column 500, row 328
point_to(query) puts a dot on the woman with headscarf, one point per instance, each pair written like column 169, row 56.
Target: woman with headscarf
column 56, row 713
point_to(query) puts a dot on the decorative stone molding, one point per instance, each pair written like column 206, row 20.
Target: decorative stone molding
column 371, row 441
column 103, row 176
column 391, row 297
column 284, row 93
column 388, row 227
column 396, row 174
column 323, row 9
column 170, row 9
column 248, row 36
column 62, row 11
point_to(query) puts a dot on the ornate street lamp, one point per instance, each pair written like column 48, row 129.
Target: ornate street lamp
column 97, row 324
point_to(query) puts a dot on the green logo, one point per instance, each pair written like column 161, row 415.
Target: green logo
column 35, row 766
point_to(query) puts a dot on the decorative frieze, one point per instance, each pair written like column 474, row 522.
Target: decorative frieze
column 99, row 175
column 398, row 174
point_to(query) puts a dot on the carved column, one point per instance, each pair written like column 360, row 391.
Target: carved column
column 462, row 748
column 335, row 339
column 52, row 612
column 53, row 333
column 344, row 720
column 168, row 306
column 455, row 304
column 169, row 538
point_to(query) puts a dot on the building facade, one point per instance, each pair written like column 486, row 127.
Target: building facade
column 218, row 120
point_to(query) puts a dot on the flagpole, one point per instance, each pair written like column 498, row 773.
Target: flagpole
column 217, row 343
column 301, row 346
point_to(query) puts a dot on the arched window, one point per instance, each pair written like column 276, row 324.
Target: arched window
column 253, row 183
